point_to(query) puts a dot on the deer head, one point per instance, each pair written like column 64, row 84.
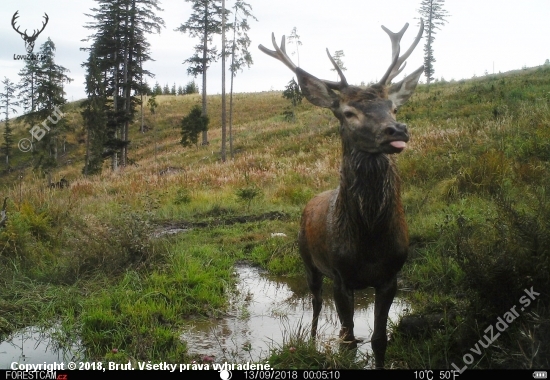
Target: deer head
column 367, row 116
column 29, row 40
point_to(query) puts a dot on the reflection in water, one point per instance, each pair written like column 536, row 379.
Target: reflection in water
column 33, row 345
column 263, row 311
column 266, row 308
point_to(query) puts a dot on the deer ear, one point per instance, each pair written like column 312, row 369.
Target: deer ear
column 316, row 91
column 400, row 92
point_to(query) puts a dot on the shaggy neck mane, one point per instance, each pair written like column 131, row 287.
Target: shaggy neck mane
column 369, row 189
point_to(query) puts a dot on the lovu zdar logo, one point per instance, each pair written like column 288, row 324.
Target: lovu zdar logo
column 29, row 40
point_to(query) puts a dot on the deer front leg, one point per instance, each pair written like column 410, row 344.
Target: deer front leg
column 343, row 298
column 382, row 303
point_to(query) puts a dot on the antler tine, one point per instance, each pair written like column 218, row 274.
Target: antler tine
column 279, row 53
column 401, row 62
column 398, row 63
column 36, row 32
column 336, row 85
column 16, row 16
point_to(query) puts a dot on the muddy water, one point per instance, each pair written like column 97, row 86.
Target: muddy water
column 33, row 345
column 266, row 309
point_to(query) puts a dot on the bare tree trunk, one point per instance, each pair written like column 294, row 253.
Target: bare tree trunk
column 114, row 162
column 204, row 51
column 430, row 44
column 87, row 163
column 128, row 80
column 126, row 89
column 231, row 88
column 231, row 120
column 32, row 91
column 55, row 148
column 223, row 83
column 54, row 128
column 142, row 120
column 141, row 92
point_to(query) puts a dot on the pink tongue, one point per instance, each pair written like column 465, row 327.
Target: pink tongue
column 399, row 144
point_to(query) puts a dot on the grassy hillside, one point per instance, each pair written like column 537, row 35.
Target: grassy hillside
column 475, row 180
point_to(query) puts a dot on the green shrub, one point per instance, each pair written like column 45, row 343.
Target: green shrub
column 248, row 194
column 183, row 196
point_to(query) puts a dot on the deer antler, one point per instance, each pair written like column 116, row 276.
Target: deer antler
column 36, row 33
column 398, row 63
column 280, row 54
column 15, row 16
column 336, row 85
column 24, row 34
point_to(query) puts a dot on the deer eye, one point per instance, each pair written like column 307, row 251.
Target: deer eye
column 349, row 114
column 395, row 111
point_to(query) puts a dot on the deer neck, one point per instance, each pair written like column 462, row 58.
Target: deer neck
column 368, row 192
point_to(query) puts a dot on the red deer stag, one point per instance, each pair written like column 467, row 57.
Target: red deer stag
column 357, row 234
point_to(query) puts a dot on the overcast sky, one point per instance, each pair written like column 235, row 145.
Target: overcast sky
column 481, row 35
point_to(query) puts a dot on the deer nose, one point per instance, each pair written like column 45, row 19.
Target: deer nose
column 396, row 130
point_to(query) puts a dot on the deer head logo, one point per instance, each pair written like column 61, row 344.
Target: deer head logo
column 29, row 40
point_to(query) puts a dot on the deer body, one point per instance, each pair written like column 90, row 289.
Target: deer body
column 356, row 234
column 366, row 246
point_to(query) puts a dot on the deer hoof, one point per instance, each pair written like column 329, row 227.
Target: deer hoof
column 351, row 340
column 348, row 340
column 349, row 344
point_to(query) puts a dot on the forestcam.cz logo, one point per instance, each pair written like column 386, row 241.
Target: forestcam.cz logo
column 29, row 40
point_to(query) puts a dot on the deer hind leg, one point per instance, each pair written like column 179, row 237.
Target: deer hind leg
column 383, row 300
column 315, row 283
column 343, row 298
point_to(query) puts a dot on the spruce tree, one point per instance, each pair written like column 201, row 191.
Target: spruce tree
column 94, row 114
column 204, row 23
column 120, row 28
column 27, row 86
column 157, row 90
column 240, row 55
column 192, row 125
column 338, row 55
column 294, row 38
column 51, row 95
column 7, row 104
column 435, row 16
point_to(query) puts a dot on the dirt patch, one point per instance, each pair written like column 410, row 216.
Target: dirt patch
column 174, row 227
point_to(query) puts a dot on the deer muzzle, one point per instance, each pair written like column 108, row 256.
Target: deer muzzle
column 397, row 136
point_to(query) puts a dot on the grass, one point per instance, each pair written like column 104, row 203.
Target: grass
column 475, row 180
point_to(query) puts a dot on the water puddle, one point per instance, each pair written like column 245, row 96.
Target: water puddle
column 266, row 309
column 33, row 345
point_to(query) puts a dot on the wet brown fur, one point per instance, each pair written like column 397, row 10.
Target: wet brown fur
column 357, row 234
